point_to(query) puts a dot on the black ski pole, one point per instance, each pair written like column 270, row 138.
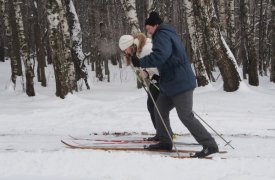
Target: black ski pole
column 227, row 142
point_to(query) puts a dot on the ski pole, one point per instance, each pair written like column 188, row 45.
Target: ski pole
column 227, row 142
column 155, row 104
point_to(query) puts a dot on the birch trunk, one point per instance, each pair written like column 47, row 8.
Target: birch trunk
column 67, row 45
column 2, row 37
column 201, row 74
column 92, row 20
column 261, row 39
column 225, row 59
column 129, row 7
column 59, row 55
column 39, row 48
column 116, row 13
column 203, row 42
column 231, row 33
column 9, row 36
column 264, row 36
column 249, row 46
column 222, row 17
column 151, row 5
column 24, row 49
column 78, row 56
column 272, row 76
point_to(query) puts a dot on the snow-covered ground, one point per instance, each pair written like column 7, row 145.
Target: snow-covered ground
column 31, row 129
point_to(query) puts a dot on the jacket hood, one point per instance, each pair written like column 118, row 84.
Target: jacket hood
column 166, row 28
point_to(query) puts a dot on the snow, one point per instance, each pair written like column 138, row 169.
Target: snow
column 31, row 129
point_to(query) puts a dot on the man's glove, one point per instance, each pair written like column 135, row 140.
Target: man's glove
column 155, row 77
column 135, row 61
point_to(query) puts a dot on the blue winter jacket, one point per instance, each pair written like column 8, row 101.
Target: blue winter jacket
column 169, row 57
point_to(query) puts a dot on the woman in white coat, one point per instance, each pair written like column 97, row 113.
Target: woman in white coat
column 142, row 46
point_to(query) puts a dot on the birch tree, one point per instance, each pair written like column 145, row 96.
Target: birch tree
column 67, row 44
column 11, row 34
column 225, row 10
column 8, row 33
column 151, row 4
column 76, row 36
column 224, row 58
column 230, row 21
column 201, row 74
column 261, row 37
column 272, row 74
column 24, row 49
column 222, row 16
column 59, row 43
column 39, row 47
column 248, row 50
column 203, row 42
column 2, row 43
column 129, row 7
column 115, row 31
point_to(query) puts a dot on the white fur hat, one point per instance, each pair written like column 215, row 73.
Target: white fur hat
column 125, row 41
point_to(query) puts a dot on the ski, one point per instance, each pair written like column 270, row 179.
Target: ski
column 185, row 157
column 79, row 146
column 114, row 141
column 126, row 141
column 139, row 150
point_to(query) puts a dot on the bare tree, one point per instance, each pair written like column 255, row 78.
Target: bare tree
column 130, row 11
column 203, row 42
column 272, row 76
column 67, row 42
column 262, row 29
column 230, row 21
column 39, row 47
column 76, row 36
column 59, row 42
column 129, row 7
column 225, row 59
column 2, row 43
column 225, row 10
column 201, row 75
column 11, row 34
column 222, row 15
column 8, row 33
column 249, row 57
column 24, row 49
column 261, row 37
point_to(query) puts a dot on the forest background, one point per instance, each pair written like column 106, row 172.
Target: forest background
column 234, row 37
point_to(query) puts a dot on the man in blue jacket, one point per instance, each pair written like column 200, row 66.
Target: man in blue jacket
column 177, row 83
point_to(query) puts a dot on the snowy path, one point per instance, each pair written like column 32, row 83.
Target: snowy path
column 31, row 129
column 33, row 156
column 257, row 145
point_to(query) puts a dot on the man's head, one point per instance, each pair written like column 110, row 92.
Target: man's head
column 152, row 22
